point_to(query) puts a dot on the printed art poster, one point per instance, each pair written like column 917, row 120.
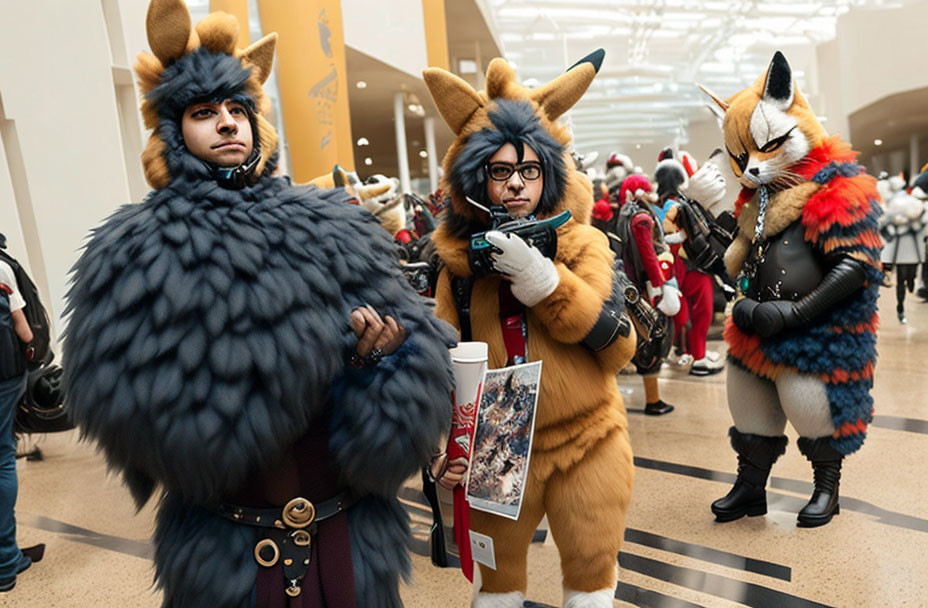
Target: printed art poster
column 503, row 439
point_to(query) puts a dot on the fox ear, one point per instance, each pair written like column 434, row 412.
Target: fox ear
column 563, row 92
column 261, row 55
column 170, row 33
column 718, row 100
column 456, row 100
column 779, row 87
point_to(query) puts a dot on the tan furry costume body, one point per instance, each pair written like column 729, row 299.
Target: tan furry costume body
column 581, row 470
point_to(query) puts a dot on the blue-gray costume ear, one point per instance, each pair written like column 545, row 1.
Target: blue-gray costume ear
column 778, row 86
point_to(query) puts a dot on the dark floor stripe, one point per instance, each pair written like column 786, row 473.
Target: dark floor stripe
column 741, row 592
column 884, row 516
column 646, row 598
column 118, row 544
column 898, row 423
column 708, row 554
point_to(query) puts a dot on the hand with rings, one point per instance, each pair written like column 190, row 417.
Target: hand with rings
column 377, row 336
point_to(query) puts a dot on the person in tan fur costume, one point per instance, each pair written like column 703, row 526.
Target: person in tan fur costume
column 511, row 153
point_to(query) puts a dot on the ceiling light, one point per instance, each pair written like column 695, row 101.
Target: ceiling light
column 363, row 142
column 877, row 142
column 368, row 161
column 423, row 154
column 361, row 84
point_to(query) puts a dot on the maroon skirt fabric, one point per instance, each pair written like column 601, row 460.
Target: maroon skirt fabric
column 308, row 470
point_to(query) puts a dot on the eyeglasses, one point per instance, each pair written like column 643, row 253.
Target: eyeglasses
column 501, row 172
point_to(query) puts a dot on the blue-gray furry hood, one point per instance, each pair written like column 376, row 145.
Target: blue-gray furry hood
column 513, row 122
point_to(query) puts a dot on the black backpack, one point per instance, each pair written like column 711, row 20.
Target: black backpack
column 35, row 313
column 12, row 361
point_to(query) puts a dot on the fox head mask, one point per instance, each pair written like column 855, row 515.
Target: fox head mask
column 769, row 127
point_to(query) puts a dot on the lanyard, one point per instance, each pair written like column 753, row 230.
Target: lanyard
column 513, row 325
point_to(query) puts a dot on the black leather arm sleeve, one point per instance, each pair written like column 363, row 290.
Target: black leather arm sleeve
column 844, row 278
column 612, row 321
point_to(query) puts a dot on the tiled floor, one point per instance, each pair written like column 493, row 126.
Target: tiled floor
column 871, row 555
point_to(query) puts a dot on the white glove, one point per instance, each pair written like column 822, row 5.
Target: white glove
column 533, row 276
column 706, row 186
column 670, row 300
column 675, row 237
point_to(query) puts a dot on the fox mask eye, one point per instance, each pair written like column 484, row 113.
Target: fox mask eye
column 741, row 159
column 776, row 142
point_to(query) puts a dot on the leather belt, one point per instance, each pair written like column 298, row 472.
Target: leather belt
column 287, row 533
column 296, row 514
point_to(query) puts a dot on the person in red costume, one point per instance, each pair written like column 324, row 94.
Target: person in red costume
column 681, row 185
column 649, row 264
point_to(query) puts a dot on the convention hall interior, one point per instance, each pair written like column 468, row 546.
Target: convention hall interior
column 347, row 90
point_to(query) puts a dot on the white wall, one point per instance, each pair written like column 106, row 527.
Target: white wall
column 880, row 53
column 56, row 81
column 393, row 31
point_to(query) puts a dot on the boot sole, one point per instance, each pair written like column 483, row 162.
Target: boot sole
column 807, row 522
column 751, row 511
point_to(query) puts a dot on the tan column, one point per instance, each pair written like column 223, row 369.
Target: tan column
column 312, row 78
column 239, row 10
column 436, row 33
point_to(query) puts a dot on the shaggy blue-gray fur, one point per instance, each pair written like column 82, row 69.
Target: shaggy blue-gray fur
column 516, row 123
column 209, row 330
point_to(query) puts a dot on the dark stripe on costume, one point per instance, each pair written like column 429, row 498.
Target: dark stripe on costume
column 741, row 592
column 835, row 169
column 707, row 554
column 646, row 598
column 898, row 423
column 791, row 503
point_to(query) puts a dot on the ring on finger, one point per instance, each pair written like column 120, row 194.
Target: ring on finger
column 375, row 355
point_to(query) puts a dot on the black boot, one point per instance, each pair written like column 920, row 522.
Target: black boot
column 756, row 454
column 826, row 466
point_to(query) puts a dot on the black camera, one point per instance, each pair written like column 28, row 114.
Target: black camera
column 541, row 234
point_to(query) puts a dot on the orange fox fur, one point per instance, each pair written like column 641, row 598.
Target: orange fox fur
column 581, row 470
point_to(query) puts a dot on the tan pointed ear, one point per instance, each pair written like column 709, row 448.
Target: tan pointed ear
column 456, row 100
column 721, row 102
column 563, row 92
column 500, row 76
column 339, row 176
column 169, row 29
column 218, row 32
column 261, row 55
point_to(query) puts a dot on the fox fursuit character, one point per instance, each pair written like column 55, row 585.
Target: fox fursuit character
column 802, row 336
column 581, row 469
column 208, row 347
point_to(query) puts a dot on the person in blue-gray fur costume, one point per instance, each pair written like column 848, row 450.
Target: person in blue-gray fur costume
column 230, row 341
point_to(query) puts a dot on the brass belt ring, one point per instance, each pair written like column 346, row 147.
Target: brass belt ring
column 301, row 538
column 299, row 513
column 260, row 547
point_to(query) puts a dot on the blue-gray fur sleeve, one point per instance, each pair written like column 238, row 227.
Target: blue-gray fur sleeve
column 387, row 420
column 204, row 338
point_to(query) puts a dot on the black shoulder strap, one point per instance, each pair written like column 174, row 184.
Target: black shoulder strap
column 461, row 288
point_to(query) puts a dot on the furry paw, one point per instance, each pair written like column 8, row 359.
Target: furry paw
column 592, row 599
column 498, row 600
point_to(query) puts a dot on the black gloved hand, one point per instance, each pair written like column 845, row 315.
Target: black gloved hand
column 773, row 317
column 765, row 318
column 743, row 314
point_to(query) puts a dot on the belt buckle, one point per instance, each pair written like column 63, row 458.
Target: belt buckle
column 299, row 513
